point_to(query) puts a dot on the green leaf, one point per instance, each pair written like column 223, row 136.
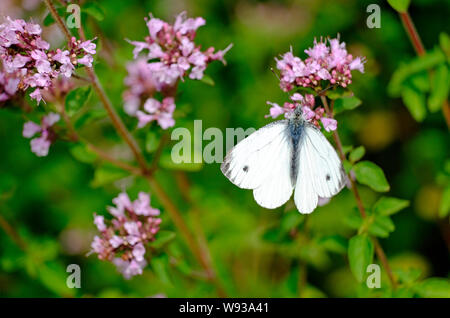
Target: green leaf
column 414, row 100
column 399, row 5
column 354, row 219
column 440, row 88
column 76, row 99
column 162, row 239
column 48, row 20
column 409, row 275
column 433, row 288
column 346, row 103
column 107, row 174
column 389, row 205
column 444, row 42
column 160, row 266
column 360, row 255
column 347, row 166
column 151, row 141
column 371, row 175
column 347, row 149
column 444, row 208
column 338, row 92
column 381, row 226
column 417, row 65
column 82, row 153
column 8, row 185
column 207, row 80
column 357, row 154
column 334, row 243
column 53, row 276
column 420, row 81
column 94, row 10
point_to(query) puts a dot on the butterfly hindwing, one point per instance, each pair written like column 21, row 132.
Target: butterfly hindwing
column 320, row 172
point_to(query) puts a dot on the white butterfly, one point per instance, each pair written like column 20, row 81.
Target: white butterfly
column 284, row 155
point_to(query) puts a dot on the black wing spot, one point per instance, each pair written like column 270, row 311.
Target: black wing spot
column 328, row 177
column 245, row 168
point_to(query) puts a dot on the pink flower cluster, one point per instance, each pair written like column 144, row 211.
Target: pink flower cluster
column 27, row 57
column 122, row 240
column 41, row 144
column 311, row 113
column 171, row 55
column 330, row 63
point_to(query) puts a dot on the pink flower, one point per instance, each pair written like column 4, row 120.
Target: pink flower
column 50, row 120
column 142, row 206
column 99, row 221
column 275, row 110
column 138, row 47
column 116, row 241
column 155, row 110
column 36, row 95
column 88, row 46
column 318, row 51
column 86, row 60
column 40, row 145
column 30, row 129
column 329, row 123
column 129, row 269
column 308, row 114
column 154, row 26
column 357, row 64
column 139, row 252
column 97, row 245
column 184, row 25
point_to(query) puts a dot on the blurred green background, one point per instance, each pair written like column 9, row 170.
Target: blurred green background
column 256, row 252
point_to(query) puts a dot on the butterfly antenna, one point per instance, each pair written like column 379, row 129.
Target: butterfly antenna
column 275, row 73
column 324, row 90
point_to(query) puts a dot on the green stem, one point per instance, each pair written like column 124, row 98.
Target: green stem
column 145, row 171
column 378, row 249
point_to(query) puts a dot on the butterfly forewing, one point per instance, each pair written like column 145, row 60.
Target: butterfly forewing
column 262, row 162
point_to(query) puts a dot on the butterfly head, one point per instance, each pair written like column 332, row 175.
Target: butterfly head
column 297, row 115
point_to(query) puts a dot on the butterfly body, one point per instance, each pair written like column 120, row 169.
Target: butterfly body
column 282, row 156
column 296, row 127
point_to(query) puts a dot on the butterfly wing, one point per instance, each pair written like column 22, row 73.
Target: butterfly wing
column 320, row 172
column 262, row 162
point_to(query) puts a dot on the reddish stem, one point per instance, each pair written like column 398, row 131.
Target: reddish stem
column 378, row 249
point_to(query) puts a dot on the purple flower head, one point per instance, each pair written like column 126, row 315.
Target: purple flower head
column 171, row 56
column 328, row 63
column 122, row 239
column 24, row 53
